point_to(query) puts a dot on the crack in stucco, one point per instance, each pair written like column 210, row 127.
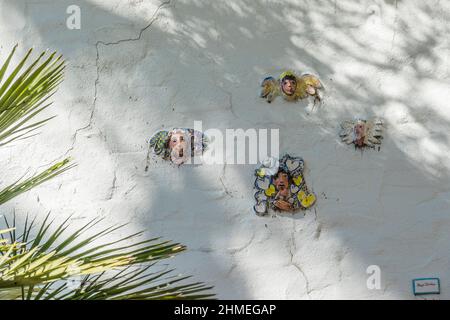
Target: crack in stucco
column 234, row 251
column 232, row 268
column 395, row 25
column 113, row 186
column 130, row 189
column 97, row 81
column 230, row 101
column 292, row 250
column 318, row 231
column 221, row 178
column 93, row 105
column 225, row 188
column 97, row 68
column 152, row 20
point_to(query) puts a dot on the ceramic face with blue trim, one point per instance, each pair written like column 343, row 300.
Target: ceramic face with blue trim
column 280, row 186
column 291, row 87
column 177, row 145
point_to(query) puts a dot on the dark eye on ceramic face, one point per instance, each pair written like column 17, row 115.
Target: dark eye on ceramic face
column 282, row 176
column 181, row 138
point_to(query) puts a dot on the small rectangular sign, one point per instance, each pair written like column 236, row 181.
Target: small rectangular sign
column 426, row 286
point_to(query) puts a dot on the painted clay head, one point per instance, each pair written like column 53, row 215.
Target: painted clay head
column 178, row 145
column 281, row 182
column 280, row 186
column 362, row 133
column 359, row 133
column 269, row 89
column 292, row 87
column 289, row 84
column 310, row 89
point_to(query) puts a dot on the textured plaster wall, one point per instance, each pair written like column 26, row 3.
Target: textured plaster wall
column 137, row 66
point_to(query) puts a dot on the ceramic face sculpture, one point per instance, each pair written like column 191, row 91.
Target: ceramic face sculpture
column 288, row 85
column 177, row 145
column 362, row 133
column 280, row 186
column 292, row 87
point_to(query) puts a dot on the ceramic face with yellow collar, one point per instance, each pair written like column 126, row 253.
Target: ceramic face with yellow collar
column 280, row 186
column 291, row 87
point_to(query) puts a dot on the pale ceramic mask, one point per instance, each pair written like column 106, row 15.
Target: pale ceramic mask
column 362, row 133
column 359, row 133
column 178, row 145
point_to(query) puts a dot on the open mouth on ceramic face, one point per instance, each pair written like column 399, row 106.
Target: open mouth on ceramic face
column 359, row 142
column 281, row 186
column 179, row 153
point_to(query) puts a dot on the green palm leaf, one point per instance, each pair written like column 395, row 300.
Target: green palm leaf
column 25, row 93
column 44, row 266
column 21, row 186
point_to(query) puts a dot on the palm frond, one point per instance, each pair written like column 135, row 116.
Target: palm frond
column 25, row 93
column 23, row 185
column 45, row 265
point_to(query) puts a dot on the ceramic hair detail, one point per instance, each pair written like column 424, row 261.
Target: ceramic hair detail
column 292, row 87
column 362, row 133
column 280, row 186
column 178, row 145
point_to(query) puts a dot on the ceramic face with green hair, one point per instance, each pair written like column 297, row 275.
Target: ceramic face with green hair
column 178, row 145
column 291, row 87
column 280, row 186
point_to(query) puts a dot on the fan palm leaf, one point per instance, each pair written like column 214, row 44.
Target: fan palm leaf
column 45, row 264
column 24, row 94
column 44, row 267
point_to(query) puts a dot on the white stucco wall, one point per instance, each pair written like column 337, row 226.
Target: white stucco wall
column 133, row 68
